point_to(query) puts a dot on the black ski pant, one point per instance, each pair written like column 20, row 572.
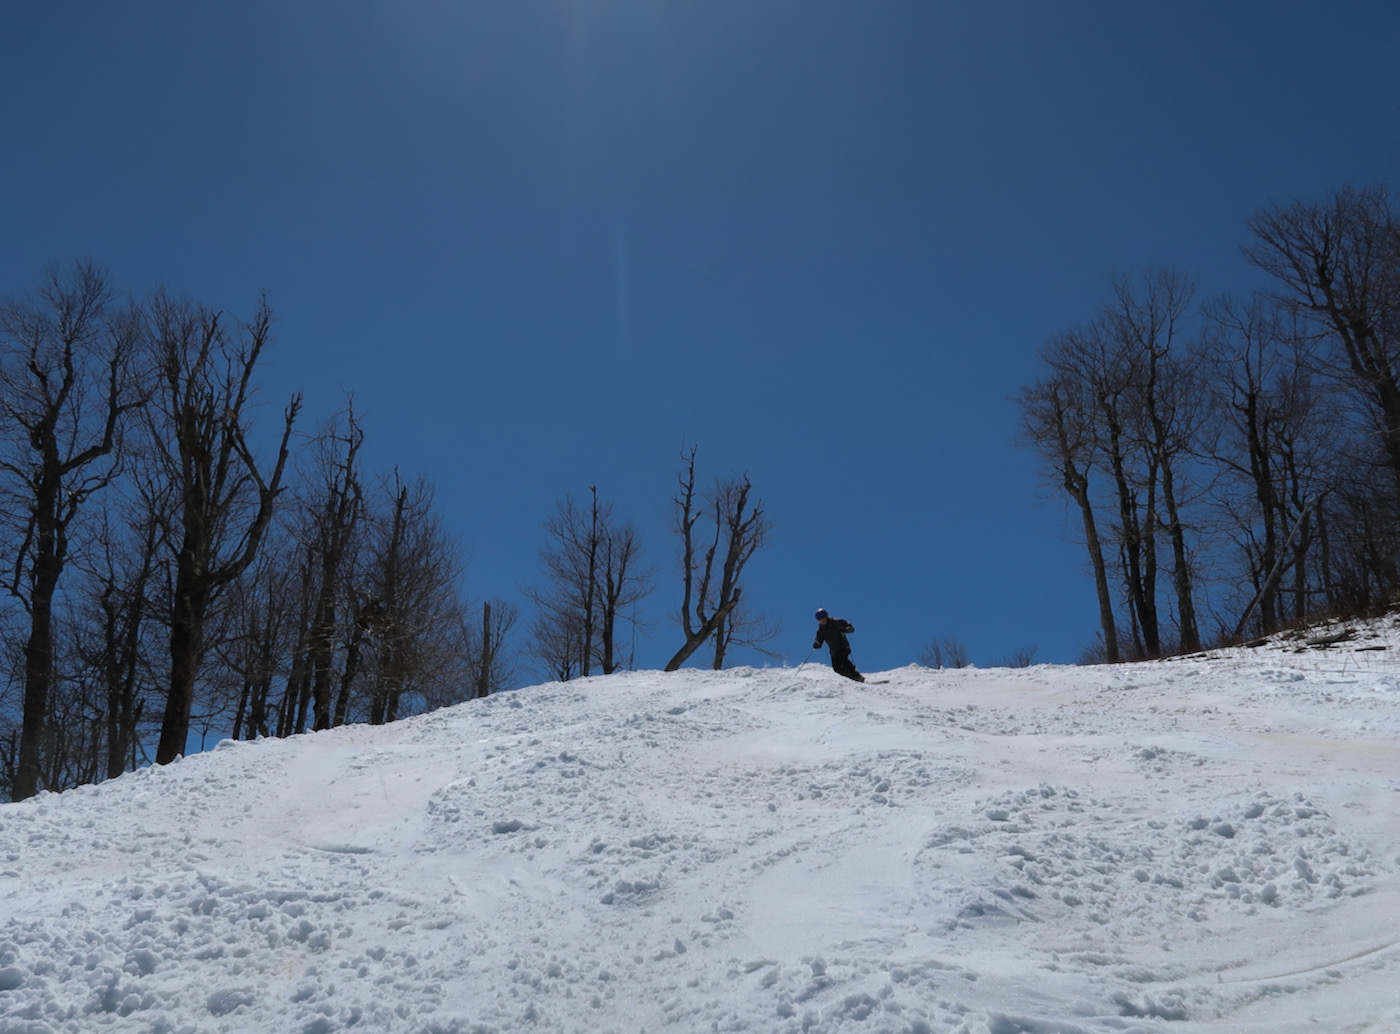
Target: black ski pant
column 841, row 664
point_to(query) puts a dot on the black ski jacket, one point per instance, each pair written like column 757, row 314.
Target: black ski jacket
column 834, row 633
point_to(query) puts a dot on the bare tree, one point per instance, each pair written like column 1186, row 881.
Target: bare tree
column 945, row 652
column 568, row 603
column 332, row 511
column 490, row 659
column 955, row 650
column 1337, row 265
column 1021, row 657
column 710, row 595
column 1270, row 427
column 262, row 605
column 200, row 434
column 295, row 706
column 115, row 644
column 557, row 645
column 65, row 383
column 1147, row 317
column 1274, row 421
column 742, row 628
column 622, row 583
column 594, row 578
column 1099, row 367
column 414, row 606
column 1057, row 421
column 931, row 654
column 1125, row 398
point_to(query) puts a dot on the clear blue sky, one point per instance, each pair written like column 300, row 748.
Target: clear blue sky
column 546, row 244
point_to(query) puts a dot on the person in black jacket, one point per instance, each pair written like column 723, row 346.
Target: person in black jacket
column 833, row 632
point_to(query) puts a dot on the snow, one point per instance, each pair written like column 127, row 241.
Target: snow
column 1208, row 844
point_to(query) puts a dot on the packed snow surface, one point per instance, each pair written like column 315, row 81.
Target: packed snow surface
column 1209, row 844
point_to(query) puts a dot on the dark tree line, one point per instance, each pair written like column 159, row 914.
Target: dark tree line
column 169, row 567
column 66, row 386
column 1237, row 461
column 172, row 569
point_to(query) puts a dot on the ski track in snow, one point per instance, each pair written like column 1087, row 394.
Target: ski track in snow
column 1203, row 845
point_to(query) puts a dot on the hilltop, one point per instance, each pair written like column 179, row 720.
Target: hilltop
column 1209, row 844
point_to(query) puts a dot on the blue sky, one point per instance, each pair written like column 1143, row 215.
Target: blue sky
column 551, row 244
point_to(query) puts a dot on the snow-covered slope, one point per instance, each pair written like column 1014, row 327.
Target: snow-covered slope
column 1209, row 844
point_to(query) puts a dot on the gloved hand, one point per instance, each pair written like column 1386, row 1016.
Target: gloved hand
column 817, row 645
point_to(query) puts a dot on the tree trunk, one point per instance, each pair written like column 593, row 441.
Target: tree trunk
column 187, row 616
column 697, row 638
column 1137, row 560
column 354, row 652
column 245, row 696
column 488, row 651
column 322, row 643
column 38, row 671
column 1078, row 487
column 1181, row 571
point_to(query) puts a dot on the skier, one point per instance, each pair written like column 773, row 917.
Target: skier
column 833, row 632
